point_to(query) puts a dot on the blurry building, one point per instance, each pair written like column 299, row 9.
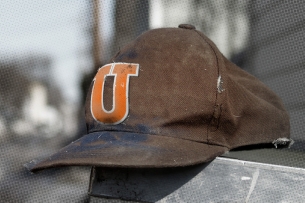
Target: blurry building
column 226, row 23
column 31, row 104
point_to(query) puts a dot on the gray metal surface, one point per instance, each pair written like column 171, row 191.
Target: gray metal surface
column 222, row 180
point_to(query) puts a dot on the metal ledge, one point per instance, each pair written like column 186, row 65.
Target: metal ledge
column 222, row 180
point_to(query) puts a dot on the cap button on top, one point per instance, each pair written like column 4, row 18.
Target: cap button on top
column 187, row 26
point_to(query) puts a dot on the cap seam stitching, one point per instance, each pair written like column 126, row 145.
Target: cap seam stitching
column 216, row 99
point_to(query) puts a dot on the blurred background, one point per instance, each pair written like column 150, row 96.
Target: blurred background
column 50, row 51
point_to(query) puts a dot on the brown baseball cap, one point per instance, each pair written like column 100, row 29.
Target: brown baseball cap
column 176, row 101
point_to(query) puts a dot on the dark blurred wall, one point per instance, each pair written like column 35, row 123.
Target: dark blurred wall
column 276, row 54
column 131, row 19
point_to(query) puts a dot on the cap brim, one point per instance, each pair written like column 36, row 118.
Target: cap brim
column 132, row 150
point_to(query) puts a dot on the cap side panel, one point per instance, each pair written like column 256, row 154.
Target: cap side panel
column 253, row 114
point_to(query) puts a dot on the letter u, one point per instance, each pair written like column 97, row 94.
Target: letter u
column 120, row 109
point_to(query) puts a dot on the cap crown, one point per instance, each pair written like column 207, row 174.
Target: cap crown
column 179, row 85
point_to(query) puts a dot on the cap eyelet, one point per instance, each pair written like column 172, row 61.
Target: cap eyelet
column 187, row 26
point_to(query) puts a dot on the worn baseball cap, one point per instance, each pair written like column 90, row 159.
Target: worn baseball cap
column 174, row 100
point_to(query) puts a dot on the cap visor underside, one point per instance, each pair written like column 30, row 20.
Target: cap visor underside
column 130, row 150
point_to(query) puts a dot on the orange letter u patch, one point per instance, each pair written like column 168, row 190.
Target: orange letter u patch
column 119, row 111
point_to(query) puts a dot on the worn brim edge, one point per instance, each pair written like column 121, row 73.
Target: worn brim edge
column 129, row 150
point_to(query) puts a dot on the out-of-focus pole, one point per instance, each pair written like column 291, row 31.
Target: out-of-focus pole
column 97, row 44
